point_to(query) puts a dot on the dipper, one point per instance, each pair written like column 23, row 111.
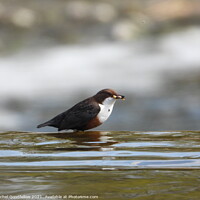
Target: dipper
column 86, row 114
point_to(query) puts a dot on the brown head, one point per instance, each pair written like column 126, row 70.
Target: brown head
column 106, row 93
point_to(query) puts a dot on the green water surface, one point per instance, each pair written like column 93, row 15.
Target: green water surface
column 100, row 165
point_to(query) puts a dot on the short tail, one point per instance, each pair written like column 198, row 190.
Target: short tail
column 43, row 124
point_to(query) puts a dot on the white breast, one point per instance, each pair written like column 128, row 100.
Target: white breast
column 106, row 109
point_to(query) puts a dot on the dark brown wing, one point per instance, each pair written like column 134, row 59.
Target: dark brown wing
column 79, row 115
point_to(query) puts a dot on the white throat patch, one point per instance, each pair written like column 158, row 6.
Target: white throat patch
column 106, row 109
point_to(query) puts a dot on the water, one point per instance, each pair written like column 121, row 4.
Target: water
column 104, row 165
column 158, row 75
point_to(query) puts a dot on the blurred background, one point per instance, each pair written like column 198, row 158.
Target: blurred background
column 55, row 53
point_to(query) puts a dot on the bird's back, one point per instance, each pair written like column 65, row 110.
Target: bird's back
column 76, row 117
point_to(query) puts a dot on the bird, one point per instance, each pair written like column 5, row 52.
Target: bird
column 86, row 114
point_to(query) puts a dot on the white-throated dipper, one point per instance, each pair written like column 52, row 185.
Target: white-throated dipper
column 87, row 114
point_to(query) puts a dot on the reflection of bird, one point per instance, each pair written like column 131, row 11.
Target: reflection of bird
column 87, row 114
column 94, row 140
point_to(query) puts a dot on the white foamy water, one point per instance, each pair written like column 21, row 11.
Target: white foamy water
column 140, row 68
column 137, row 66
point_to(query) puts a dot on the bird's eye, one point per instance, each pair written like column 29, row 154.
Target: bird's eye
column 108, row 110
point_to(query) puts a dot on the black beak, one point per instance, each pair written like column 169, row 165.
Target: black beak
column 119, row 97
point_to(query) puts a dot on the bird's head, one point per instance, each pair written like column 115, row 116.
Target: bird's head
column 109, row 94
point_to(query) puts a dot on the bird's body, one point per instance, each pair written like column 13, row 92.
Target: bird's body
column 87, row 114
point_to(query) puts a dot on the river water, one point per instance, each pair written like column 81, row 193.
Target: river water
column 158, row 75
column 100, row 165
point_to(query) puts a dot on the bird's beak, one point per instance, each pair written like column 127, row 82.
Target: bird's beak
column 119, row 97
